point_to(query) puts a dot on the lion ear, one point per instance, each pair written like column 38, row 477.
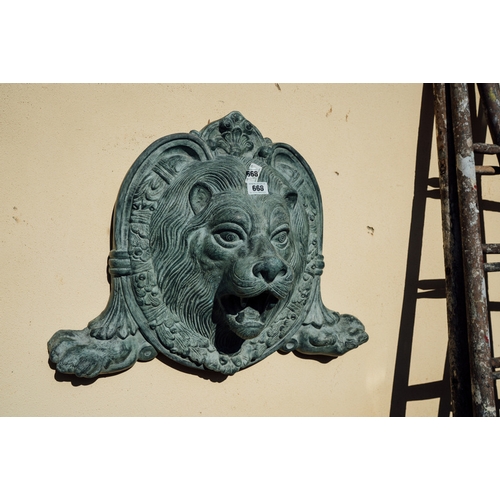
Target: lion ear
column 199, row 197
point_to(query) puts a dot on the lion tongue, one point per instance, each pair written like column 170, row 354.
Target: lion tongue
column 248, row 314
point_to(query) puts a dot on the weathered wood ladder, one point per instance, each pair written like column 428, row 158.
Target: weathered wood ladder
column 472, row 363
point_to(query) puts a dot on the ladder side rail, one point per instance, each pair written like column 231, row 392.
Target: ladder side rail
column 490, row 95
column 482, row 382
column 458, row 351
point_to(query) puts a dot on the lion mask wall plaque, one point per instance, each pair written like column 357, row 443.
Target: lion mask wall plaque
column 216, row 260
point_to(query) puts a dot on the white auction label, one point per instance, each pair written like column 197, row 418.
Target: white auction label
column 253, row 172
column 257, row 188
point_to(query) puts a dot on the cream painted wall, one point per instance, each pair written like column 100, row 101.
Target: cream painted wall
column 64, row 152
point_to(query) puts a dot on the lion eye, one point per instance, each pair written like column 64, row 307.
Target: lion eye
column 281, row 238
column 227, row 238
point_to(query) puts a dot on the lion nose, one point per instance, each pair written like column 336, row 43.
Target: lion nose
column 268, row 269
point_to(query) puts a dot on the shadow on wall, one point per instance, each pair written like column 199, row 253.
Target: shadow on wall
column 402, row 392
column 414, row 288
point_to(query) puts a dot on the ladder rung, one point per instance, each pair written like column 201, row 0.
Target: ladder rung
column 487, row 170
column 491, row 248
column 495, row 363
column 488, row 149
column 492, row 267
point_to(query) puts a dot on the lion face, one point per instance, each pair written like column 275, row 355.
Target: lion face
column 237, row 255
column 246, row 246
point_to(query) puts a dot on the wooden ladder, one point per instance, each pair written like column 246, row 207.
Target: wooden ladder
column 470, row 352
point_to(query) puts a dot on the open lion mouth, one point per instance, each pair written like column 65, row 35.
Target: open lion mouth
column 246, row 316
